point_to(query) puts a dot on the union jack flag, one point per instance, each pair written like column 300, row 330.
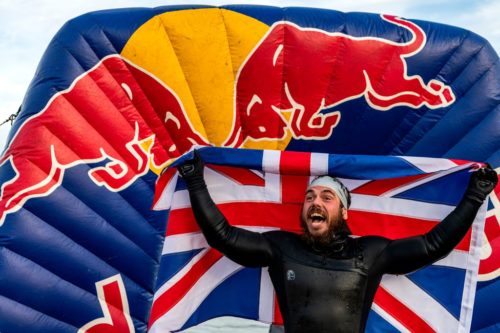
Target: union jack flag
column 263, row 190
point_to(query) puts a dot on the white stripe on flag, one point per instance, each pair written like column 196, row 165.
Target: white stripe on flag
column 165, row 198
column 271, row 161
column 390, row 319
column 180, row 199
column 266, row 297
column 179, row 275
column 430, row 178
column 470, row 282
column 193, row 241
column 428, row 165
column 184, row 242
column 232, row 191
column 400, row 207
column 319, row 164
column 456, row 259
column 177, row 316
column 352, row 184
column 421, row 303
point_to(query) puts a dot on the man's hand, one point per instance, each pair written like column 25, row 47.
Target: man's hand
column 481, row 183
column 192, row 169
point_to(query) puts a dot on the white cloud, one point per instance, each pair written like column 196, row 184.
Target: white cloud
column 484, row 21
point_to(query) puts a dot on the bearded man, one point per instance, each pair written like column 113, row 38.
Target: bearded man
column 325, row 280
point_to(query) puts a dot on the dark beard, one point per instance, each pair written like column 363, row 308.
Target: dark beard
column 336, row 230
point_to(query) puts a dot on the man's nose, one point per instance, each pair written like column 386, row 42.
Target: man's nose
column 316, row 201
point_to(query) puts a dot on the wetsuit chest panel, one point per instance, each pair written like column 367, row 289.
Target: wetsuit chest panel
column 323, row 299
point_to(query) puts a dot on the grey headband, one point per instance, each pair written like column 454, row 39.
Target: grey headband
column 335, row 185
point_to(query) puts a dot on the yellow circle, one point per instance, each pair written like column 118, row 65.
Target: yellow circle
column 197, row 53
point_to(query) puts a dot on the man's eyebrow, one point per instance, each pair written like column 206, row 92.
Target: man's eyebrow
column 323, row 191
column 328, row 191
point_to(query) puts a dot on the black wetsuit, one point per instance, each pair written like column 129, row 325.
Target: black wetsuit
column 329, row 289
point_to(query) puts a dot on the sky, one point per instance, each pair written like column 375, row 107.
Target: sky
column 27, row 26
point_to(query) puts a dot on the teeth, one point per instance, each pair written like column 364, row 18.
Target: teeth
column 317, row 215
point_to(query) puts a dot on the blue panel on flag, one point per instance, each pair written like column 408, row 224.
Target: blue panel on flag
column 376, row 324
column 225, row 300
column 173, row 263
column 485, row 284
column 435, row 280
column 180, row 185
column 490, row 205
column 454, row 185
column 250, row 158
column 370, row 167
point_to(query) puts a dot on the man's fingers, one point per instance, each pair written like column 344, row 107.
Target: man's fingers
column 488, row 174
column 186, row 168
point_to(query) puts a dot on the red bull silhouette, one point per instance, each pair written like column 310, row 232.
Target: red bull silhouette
column 115, row 113
column 115, row 308
column 303, row 71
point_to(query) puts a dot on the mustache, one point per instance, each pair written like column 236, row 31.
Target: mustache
column 316, row 212
column 315, row 209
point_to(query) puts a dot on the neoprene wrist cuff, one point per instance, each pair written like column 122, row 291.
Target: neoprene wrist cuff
column 475, row 195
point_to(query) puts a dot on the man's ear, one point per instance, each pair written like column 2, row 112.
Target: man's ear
column 344, row 213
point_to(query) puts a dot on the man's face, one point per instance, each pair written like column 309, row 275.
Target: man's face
column 322, row 211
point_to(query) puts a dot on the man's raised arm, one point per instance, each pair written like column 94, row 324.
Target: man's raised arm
column 242, row 246
column 406, row 255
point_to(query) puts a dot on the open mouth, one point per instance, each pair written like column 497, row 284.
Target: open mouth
column 316, row 216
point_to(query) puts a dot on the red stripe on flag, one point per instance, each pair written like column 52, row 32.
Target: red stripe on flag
column 293, row 188
column 287, row 217
column 462, row 162
column 174, row 294
column 379, row 187
column 282, row 216
column 278, row 318
column 295, row 163
column 294, row 169
column 394, row 226
column 162, row 183
column 401, row 312
column 239, row 175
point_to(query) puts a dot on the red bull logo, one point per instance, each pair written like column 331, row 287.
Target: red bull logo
column 316, row 70
column 121, row 116
column 108, row 114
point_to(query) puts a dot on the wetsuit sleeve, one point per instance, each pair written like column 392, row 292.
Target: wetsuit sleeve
column 406, row 255
column 242, row 246
column 245, row 247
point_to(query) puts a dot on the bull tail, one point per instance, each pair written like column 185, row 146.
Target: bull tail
column 419, row 38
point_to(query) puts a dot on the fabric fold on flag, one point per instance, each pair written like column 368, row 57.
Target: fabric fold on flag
column 263, row 190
